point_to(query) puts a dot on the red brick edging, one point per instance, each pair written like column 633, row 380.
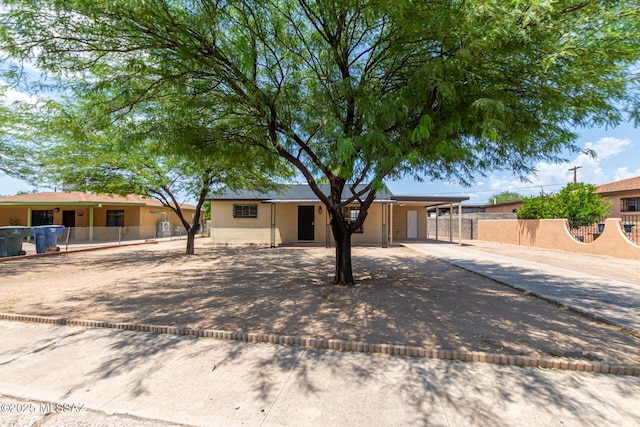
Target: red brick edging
column 345, row 345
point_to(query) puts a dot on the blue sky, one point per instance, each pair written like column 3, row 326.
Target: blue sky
column 618, row 157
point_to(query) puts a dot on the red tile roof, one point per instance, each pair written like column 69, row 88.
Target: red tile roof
column 80, row 197
column 630, row 184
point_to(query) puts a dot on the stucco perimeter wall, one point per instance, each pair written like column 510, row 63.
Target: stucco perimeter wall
column 553, row 234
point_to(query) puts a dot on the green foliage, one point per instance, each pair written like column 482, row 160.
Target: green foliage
column 579, row 202
column 14, row 157
column 350, row 91
column 207, row 210
column 355, row 90
column 505, row 196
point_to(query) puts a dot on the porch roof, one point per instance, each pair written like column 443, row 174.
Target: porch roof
column 78, row 198
column 427, row 201
column 302, row 193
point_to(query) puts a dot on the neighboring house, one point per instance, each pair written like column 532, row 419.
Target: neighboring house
column 503, row 208
column 92, row 216
column 294, row 214
column 624, row 196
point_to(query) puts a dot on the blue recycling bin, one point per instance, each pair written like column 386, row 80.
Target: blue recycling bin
column 46, row 237
column 11, row 240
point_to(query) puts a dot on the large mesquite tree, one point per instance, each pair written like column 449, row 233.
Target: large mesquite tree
column 355, row 91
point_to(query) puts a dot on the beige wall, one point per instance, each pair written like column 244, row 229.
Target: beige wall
column 553, row 234
column 400, row 221
column 13, row 216
column 615, row 203
column 502, row 208
column 227, row 229
column 133, row 215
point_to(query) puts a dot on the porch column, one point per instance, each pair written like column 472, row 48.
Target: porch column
column 437, row 216
column 273, row 225
column 384, row 225
column 426, row 223
column 29, row 223
column 391, row 223
column 91, row 224
column 460, row 223
column 450, row 222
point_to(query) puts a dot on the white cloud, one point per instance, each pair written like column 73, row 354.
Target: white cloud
column 608, row 147
column 591, row 170
column 624, row 173
column 11, row 95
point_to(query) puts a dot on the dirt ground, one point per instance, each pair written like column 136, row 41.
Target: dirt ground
column 401, row 297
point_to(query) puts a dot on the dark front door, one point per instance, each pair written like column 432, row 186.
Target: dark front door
column 69, row 219
column 306, row 223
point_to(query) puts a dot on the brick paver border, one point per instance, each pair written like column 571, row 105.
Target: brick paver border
column 564, row 364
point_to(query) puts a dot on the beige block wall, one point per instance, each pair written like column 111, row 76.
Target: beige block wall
column 400, row 221
column 553, row 234
column 227, row 229
column 372, row 227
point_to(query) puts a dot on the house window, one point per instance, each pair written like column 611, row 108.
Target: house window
column 41, row 218
column 630, row 204
column 353, row 216
column 115, row 218
column 245, row 211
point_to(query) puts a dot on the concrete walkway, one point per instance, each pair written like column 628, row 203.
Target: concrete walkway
column 70, row 376
column 584, row 283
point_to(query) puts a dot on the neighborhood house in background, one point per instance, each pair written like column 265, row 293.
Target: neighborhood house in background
column 94, row 217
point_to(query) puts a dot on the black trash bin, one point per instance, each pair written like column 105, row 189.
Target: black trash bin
column 11, row 238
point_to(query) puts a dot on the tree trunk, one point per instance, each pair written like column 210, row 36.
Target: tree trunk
column 342, row 236
column 191, row 245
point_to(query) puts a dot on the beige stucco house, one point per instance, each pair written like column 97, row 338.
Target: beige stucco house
column 294, row 214
column 91, row 216
column 624, row 196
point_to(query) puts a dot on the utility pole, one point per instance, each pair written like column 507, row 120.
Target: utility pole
column 575, row 174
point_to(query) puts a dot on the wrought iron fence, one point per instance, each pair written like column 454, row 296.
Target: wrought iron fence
column 586, row 229
column 630, row 225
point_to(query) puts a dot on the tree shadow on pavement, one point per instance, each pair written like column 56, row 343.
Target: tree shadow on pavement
column 401, row 297
column 269, row 380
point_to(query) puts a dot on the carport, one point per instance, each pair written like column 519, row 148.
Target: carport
column 410, row 208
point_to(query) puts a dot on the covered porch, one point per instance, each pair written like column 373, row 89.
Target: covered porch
column 410, row 217
column 394, row 218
